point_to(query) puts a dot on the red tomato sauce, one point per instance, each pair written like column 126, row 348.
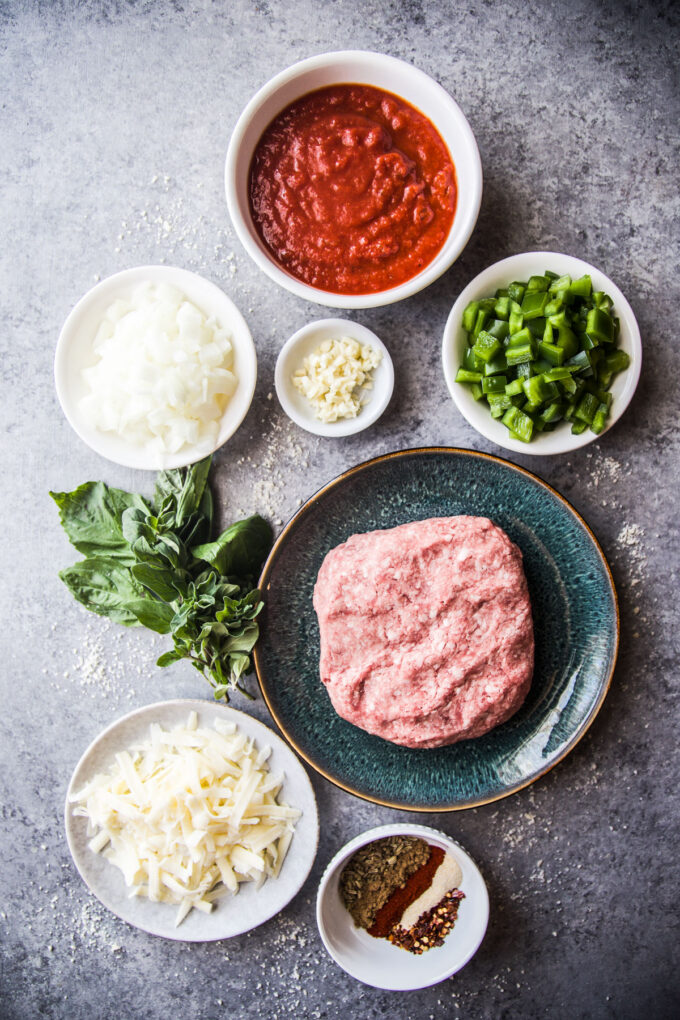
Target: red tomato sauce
column 352, row 189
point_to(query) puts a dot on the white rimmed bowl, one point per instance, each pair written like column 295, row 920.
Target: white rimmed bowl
column 384, row 72
column 232, row 915
column 521, row 267
column 376, row 961
column 75, row 352
column 303, row 343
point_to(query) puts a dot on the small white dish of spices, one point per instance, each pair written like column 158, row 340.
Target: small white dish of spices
column 334, row 377
column 402, row 907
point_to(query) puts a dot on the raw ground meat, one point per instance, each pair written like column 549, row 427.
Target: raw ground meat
column 426, row 630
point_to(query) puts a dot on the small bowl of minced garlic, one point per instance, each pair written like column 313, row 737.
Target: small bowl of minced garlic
column 334, row 377
column 402, row 907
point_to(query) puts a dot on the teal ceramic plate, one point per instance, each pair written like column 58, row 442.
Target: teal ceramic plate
column 575, row 619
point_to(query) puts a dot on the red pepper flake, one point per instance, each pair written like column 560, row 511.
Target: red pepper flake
column 431, row 928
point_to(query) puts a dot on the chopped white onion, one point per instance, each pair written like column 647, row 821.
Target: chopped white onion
column 163, row 374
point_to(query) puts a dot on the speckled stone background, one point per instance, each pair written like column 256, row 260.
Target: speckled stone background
column 114, row 122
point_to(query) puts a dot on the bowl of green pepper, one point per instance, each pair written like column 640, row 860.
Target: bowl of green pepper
column 541, row 353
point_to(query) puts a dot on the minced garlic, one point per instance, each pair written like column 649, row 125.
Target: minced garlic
column 335, row 376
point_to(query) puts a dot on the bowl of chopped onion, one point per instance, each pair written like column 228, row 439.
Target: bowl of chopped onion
column 155, row 368
column 334, row 377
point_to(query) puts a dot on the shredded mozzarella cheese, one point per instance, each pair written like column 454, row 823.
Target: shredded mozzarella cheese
column 189, row 814
column 334, row 375
column 163, row 373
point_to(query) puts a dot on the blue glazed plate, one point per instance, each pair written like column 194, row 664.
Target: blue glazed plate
column 575, row 619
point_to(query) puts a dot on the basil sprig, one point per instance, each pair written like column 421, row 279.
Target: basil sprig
column 152, row 563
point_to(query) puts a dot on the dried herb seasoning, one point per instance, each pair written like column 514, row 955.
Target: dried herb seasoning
column 376, row 870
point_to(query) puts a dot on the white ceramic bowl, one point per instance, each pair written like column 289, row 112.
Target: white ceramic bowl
column 383, row 72
column 521, row 267
column 74, row 353
column 376, row 961
column 231, row 916
column 306, row 340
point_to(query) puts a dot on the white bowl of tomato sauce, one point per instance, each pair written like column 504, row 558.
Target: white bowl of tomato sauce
column 353, row 179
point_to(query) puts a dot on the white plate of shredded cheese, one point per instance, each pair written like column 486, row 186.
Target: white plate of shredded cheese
column 191, row 821
column 334, row 377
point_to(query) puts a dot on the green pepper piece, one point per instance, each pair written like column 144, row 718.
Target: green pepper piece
column 470, row 316
column 578, row 427
column 534, row 304
column 486, row 345
column 516, row 291
column 554, row 306
column 471, row 361
column 533, row 388
column 537, row 327
column 599, row 325
column 493, row 384
column 476, row 390
column 519, row 355
column 487, row 303
column 616, row 361
column 498, row 404
column 539, row 366
column 524, row 336
column 465, row 376
column 553, row 412
column 604, row 396
column 497, row 364
column 568, row 385
column 538, row 283
column 523, row 426
column 551, row 276
column 566, row 339
column 559, row 321
column 516, row 322
column 551, row 391
column 501, row 292
column 581, row 361
column 587, row 407
column 498, row 328
column 523, row 370
column 514, row 387
column 581, row 287
column 558, row 374
column 600, row 419
column 552, row 353
column 560, row 284
column 502, row 307
column 482, row 316
column 602, row 300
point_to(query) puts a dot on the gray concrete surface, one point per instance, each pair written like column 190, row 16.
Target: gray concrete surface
column 114, row 122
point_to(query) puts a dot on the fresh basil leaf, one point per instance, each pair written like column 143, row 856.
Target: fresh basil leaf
column 240, row 550
column 196, row 529
column 186, row 486
column 205, row 508
column 155, row 615
column 160, row 580
column 91, row 516
column 167, row 658
column 106, row 587
column 138, row 524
